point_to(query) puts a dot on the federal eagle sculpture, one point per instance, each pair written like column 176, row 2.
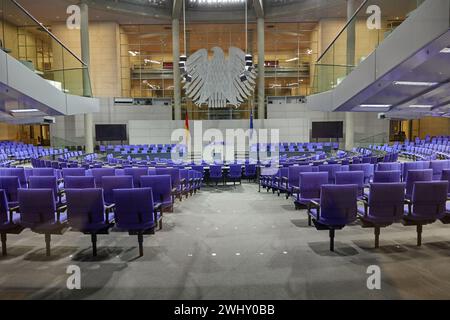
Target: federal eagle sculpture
column 219, row 82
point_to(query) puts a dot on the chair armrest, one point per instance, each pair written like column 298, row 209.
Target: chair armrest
column 409, row 203
column 296, row 190
column 11, row 212
column 60, row 180
column 314, row 204
column 59, row 210
column 366, row 206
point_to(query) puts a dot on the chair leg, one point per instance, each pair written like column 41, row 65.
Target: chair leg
column 4, row 252
column 309, row 219
column 94, row 244
column 141, row 247
column 331, row 239
column 419, row 235
column 48, row 238
column 377, row 237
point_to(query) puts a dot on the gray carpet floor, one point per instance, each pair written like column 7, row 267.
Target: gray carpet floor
column 232, row 243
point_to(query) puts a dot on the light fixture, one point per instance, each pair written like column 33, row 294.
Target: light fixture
column 133, row 53
column 292, row 59
column 151, row 61
column 293, row 84
column 24, row 110
column 309, row 51
column 421, row 106
column 415, row 83
column 375, row 105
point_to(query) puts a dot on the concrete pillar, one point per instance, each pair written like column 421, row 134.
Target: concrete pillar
column 349, row 116
column 176, row 70
column 85, row 56
column 261, row 74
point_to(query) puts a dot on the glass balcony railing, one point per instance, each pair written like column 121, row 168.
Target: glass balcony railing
column 357, row 40
column 29, row 41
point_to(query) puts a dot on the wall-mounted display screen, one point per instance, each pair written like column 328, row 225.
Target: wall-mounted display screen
column 328, row 129
column 110, row 132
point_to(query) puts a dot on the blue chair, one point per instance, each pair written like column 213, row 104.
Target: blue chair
column 136, row 213
column 235, row 173
column 112, row 183
column 74, row 182
column 9, row 221
column 87, row 213
column 215, row 173
column 337, row 208
column 161, row 189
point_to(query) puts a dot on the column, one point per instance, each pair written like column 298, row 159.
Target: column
column 261, row 74
column 349, row 116
column 176, row 70
column 85, row 56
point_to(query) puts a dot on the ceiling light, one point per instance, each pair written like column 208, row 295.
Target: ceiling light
column 133, row 53
column 24, row 110
column 375, row 105
column 421, row 106
column 293, row 59
column 415, row 83
column 445, row 50
column 309, row 51
column 151, row 61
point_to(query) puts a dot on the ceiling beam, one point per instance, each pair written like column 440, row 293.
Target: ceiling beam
column 259, row 9
column 177, row 7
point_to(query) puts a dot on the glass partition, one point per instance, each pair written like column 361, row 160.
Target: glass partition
column 356, row 40
column 33, row 44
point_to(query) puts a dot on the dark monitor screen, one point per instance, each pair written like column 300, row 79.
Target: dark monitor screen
column 328, row 129
column 110, row 132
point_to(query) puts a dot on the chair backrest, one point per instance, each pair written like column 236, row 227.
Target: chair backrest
column 250, row 169
column 99, row 173
column 310, row 184
column 338, row 204
column 85, row 207
column 331, row 169
column 134, row 208
column 389, row 166
column 235, row 170
column 438, row 166
column 73, row 172
column 74, row 182
column 15, row 172
column 110, row 183
column 429, row 198
column 386, row 201
column 366, row 167
column 36, row 206
column 417, row 165
column 45, row 183
column 294, row 174
column 351, row 177
column 46, row 172
column 11, row 186
column 446, row 177
column 414, row 176
column 161, row 186
column 215, row 171
column 386, row 176
column 136, row 173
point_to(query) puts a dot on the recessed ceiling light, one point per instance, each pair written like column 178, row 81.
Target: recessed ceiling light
column 24, row 110
column 375, row 105
column 415, row 83
column 421, row 106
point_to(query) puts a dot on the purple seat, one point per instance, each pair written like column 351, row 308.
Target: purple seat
column 309, row 189
column 136, row 213
column 9, row 221
column 161, row 186
column 10, row 185
column 438, row 166
column 136, row 173
column 215, row 173
column 43, row 172
column 48, row 183
column 389, row 166
column 366, row 167
column 235, row 173
column 414, row 176
column 87, row 213
column 111, row 183
column 73, row 172
column 294, row 177
column 331, row 169
column 417, row 165
column 280, row 182
column 386, row 176
column 351, row 177
column 250, row 171
column 74, row 182
column 186, row 182
column 337, row 208
column 15, row 172
column 383, row 207
column 99, row 173
column 427, row 204
column 38, row 212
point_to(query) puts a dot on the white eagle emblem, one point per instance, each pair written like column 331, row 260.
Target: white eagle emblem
column 217, row 82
